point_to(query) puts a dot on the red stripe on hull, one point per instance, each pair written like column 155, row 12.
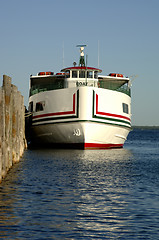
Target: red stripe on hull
column 82, row 146
column 101, row 146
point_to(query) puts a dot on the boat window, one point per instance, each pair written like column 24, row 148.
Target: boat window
column 39, row 106
column 82, row 74
column 95, row 74
column 125, row 108
column 67, row 74
column 90, row 74
column 30, row 107
column 74, row 74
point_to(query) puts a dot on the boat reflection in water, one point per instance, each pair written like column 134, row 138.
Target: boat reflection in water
column 103, row 186
column 103, row 205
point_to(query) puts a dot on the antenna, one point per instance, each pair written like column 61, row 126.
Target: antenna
column 133, row 77
column 98, row 53
column 63, row 55
column 86, row 60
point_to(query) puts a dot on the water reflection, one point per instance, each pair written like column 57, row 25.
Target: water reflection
column 103, row 182
column 67, row 194
column 8, row 198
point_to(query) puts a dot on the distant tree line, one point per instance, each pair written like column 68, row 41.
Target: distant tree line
column 145, row 127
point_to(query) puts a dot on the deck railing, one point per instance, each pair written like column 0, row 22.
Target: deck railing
column 112, row 86
column 42, row 88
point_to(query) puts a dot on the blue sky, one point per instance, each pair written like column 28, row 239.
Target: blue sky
column 33, row 33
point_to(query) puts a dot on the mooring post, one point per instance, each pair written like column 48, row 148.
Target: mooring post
column 18, row 126
column 1, row 130
column 22, row 128
column 7, row 98
column 14, row 125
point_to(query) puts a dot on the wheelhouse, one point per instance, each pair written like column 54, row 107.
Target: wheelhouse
column 81, row 76
column 82, row 72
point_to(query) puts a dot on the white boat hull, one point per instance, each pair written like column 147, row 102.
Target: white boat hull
column 85, row 117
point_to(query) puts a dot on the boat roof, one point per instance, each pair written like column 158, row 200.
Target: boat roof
column 81, row 68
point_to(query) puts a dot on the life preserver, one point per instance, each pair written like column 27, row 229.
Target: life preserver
column 41, row 73
column 60, row 74
column 116, row 75
column 49, row 73
column 119, row 75
column 45, row 73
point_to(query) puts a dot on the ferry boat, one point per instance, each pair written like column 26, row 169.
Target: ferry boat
column 80, row 108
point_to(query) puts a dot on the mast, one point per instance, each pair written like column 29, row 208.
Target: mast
column 98, row 53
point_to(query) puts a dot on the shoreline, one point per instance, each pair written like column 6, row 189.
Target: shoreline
column 146, row 127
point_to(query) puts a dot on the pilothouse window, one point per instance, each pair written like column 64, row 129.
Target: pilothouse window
column 74, row 74
column 82, row 74
column 95, row 74
column 89, row 74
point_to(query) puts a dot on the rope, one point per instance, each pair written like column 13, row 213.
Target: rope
column 28, row 114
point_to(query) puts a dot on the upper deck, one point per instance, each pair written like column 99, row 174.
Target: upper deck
column 78, row 76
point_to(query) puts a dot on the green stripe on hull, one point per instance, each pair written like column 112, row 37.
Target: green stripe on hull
column 80, row 121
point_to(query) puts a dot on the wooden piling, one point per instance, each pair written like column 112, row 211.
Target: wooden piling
column 12, row 126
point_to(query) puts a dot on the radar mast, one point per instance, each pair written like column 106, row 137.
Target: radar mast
column 81, row 61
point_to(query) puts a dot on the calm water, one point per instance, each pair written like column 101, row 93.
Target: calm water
column 93, row 194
